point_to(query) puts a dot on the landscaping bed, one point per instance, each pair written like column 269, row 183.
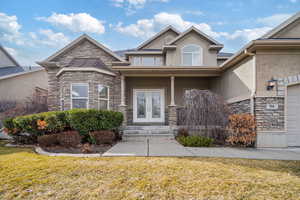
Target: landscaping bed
column 102, row 148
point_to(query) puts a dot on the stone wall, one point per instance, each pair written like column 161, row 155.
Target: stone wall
column 267, row 118
column 93, row 79
column 240, row 107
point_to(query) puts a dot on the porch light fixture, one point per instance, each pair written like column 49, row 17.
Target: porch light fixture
column 271, row 84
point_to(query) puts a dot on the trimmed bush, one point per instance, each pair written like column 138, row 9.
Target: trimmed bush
column 81, row 120
column 87, row 120
column 242, row 130
column 103, row 137
column 47, row 140
column 195, row 141
column 69, row 138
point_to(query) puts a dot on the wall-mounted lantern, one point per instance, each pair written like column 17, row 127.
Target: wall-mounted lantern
column 271, row 84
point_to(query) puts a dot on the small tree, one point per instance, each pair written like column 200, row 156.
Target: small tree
column 203, row 108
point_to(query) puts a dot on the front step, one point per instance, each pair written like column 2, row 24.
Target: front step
column 147, row 130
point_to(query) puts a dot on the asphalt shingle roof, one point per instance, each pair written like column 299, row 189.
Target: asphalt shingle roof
column 4, row 71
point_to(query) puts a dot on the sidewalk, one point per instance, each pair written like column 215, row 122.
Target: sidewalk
column 167, row 146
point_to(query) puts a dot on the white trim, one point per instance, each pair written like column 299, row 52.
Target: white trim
column 87, row 98
column 79, row 39
column 149, row 119
column 104, row 99
column 85, row 69
column 200, row 53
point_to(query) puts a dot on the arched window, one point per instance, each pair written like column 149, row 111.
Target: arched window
column 191, row 55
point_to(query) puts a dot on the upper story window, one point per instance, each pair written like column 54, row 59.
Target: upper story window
column 147, row 61
column 191, row 55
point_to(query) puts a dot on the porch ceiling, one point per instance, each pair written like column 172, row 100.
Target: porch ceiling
column 168, row 71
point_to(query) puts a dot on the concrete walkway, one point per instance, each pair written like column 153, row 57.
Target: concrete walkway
column 167, row 146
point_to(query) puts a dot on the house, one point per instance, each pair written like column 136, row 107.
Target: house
column 17, row 83
column 148, row 83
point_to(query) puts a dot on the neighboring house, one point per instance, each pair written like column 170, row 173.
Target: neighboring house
column 18, row 83
column 147, row 83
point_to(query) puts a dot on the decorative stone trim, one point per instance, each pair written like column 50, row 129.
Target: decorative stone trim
column 285, row 81
column 123, row 110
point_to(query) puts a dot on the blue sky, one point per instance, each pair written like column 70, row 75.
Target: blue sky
column 32, row 30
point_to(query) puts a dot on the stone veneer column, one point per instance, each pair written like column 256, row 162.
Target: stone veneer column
column 172, row 116
column 53, row 89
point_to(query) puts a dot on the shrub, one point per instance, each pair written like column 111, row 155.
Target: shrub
column 47, row 140
column 103, row 137
column 87, row 120
column 195, row 141
column 69, row 138
column 242, row 130
column 7, row 104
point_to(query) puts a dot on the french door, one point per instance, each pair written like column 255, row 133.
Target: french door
column 148, row 105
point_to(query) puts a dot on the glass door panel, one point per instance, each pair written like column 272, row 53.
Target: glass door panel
column 156, row 104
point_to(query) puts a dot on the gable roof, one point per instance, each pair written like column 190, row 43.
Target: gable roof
column 78, row 40
column 192, row 28
column 168, row 28
column 4, row 71
column 281, row 26
column 9, row 56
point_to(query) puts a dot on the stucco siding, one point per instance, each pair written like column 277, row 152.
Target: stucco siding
column 209, row 57
column 237, row 82
column 277, row 65
column 161, row 40
column 292, row 31
column 22, row 86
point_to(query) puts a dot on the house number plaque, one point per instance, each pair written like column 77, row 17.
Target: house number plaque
column 272, row 106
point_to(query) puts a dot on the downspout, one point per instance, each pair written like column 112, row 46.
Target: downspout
column 253, row 92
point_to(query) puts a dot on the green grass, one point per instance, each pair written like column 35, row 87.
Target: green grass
column 26, row 175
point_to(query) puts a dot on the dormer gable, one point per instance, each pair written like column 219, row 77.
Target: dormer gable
column 160, row 39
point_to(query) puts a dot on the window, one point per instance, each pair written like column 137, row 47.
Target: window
column 79, row 95
column 147, row 61
column 192, row 55
column 103, row 92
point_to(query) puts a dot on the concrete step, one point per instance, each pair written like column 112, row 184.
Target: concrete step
column 147, row 128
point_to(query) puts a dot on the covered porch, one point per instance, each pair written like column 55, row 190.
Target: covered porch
column 152, row 99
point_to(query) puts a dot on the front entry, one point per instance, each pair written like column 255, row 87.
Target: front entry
column 148, row 105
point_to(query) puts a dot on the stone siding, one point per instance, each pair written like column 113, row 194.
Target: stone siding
column 240, row 107
column 93, row 79
column 59, row 87
column 269, row 119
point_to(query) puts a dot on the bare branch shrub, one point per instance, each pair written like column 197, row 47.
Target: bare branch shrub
column 7, row 104
column 204, row 113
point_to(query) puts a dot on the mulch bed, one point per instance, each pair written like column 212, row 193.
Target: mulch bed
column 102, row 148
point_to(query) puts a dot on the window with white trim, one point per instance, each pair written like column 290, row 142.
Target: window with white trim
column 147, row 61
column 79, row 95
column 103, row 94
column 191, row 55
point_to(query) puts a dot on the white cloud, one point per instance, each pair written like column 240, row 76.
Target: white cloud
column 49, row 38
column 132, row 5
column 293, row 1
column 248, row 34
column 273, row 20
column 11, row 51
column 145, row 28
column 10, row 29
column 79, row 22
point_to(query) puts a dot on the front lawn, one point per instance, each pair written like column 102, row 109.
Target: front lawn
column 26, row 175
